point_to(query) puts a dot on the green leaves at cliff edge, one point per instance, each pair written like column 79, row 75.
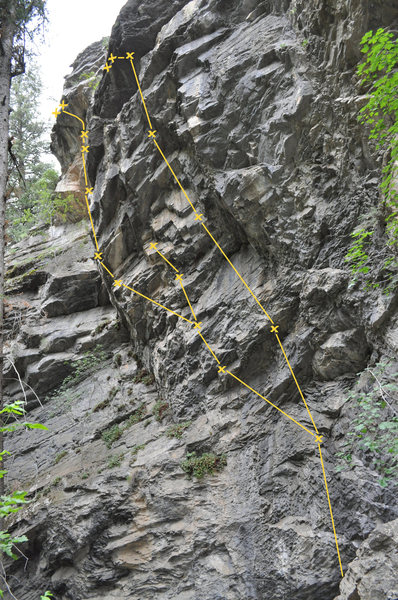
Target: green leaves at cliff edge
column 17, row 409
column 379, row 77
column 372, row 438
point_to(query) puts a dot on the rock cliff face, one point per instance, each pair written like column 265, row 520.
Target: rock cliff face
column 255, row 105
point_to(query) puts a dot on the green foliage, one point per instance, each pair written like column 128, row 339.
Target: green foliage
column 198, row 466
column 81, row 369
column 12, row 503
column 7, row 542
column 136, row 417
column 101, row 326
column 160, row 409
column 115, row 460
column 176, row 431
column 31, row 205
column 26, row 129
column 31, row 185
column 47, row 595
column 113, row 433
column 110, row 435
column 356, row 255
column 16, row 409
column 360, row 264
column 379, row 70
column 29, row 17
column 379, row 74
column 56, row 208
column 373, row 437
column 39, row 204
column 104, row 403
column 92, row 79
column 60, row 456
column 87, row 75
column 31, row 198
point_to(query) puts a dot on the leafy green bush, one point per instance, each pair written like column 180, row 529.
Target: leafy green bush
column 198, row 466
column 136, row 416
column 115, row 460
column 39, row 204
column 176, row 431
column 379, row 70
column 356, row 255
column 32, row 205
column 111, row 434
column 374, row 436
column 12, row 503
column 379, row 74
column 92, row 79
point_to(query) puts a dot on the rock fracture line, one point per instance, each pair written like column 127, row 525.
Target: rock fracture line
column 197, row 325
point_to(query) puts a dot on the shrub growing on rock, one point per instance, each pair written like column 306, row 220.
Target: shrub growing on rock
column 198, row 466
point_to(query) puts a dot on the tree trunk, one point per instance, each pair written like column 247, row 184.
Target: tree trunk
column 7, row 38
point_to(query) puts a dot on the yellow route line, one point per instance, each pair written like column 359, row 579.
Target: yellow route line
column 84, row 168
column 142, row 97
column 330, row 509
column 76, row 117
column 88, row 206
column 187, row 320
column 91, row 220
column 175, row 176
column 168, row 262
column 271, row 403
column 209, row 348
column 186, row 296
column 238, row 274
column 157, row 303
column 106, row 269
column 297, row 384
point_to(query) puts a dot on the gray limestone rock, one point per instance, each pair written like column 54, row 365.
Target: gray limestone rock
column 373, row 573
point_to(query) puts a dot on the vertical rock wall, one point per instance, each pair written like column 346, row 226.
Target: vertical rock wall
column 255, row 107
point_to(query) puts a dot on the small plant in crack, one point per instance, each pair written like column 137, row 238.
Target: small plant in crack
column 199, row 466
column 160, row 409
column 177, row 431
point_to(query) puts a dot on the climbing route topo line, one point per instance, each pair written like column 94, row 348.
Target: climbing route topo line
column 117, row 283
